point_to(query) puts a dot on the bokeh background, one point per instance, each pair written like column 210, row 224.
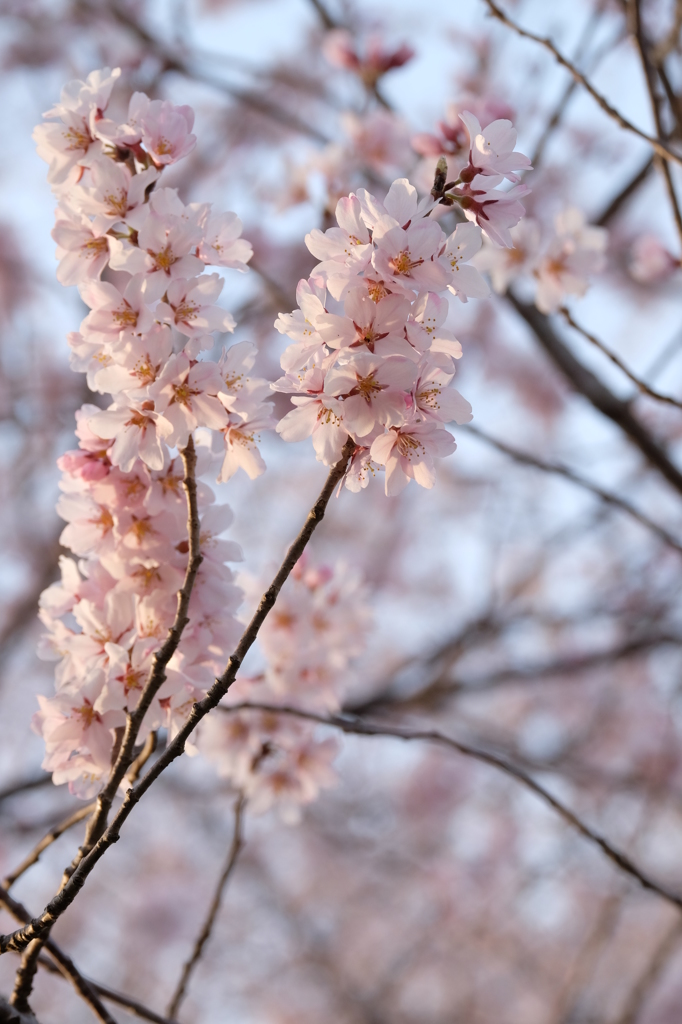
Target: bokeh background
column 529, row 604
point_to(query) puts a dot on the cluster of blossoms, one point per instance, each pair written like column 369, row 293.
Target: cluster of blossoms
column 563, row 266
column 316, row 628
column 340, row 50
column 371, row 359
column 123, row 499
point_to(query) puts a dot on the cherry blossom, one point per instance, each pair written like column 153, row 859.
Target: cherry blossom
column 407, row 453
column 491, row 150
column 576, row 252
column 82, row 249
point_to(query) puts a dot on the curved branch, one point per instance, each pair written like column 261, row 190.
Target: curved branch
column 558, row 469
column 585, row 382
column 639, row 384
column 207, row 927
column 351, row 724
column 656, row 144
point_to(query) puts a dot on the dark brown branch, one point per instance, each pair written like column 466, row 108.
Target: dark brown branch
column 558, row 469
column 357, row 726
column 157, row 675
column 585, row 382
column 619, row 201
column 207, row 927
column 112, row 996
column 651, row 81
column 15, row 788
column 46, row 841
column 656, row 144
column 639, row 384
column 64, row 962
column 325, row 17
column 19, row 939
column 247, row 97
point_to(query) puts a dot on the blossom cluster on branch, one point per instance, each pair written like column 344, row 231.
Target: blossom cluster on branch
column 122, row 489
column 371, row 358
column 316, row 629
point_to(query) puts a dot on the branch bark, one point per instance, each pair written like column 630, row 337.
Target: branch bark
column 207, row 927
column 585, row 382
column 20, row 939
column 656, row 144
column 357, row 726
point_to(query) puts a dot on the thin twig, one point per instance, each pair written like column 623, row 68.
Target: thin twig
column 157, row 675
column 23, row 785
column 656, row 144
column 247, row 97
column 585, row 382
column 639, row 384
column 19, row 939
column 46, row 841
column 560, row 108
column 66, row 965
column 628, row 190
column 111, row 995
column 357, row 726
column 207, row 927
column 157, row 672
column 650, row 77
column 559, row 469
column 653, row 971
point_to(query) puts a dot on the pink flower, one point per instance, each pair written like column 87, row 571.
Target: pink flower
column 221, row 245
column 496, row 212
column 301, row 325
column 136, row 364
column 407, row 259
column 71, row 145
column 83, row 250
column 376, row 327
column 426, row 334
column 185, row 397
column 650, row 262
column 115, row 194
column 133, row 430
column 576, row 252
column 189, row 306
column 165, row 244
column 115, row 317
column 460, row 247
column 407, row 453
column 166, row 131
column 491, row 151
column 434, row 399
column 241, row 438
column 372, row 391
column 321, row 418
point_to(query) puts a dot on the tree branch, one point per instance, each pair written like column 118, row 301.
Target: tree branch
column 19, row 939
column 353, row 725
column 616, row 204
column 157, row 675
column 585, row 382
column 656, row 144
column 64, row 962
column 639, row 384
column 111, row 995
column 207, row 927
column 558, row 469
column 47, row 840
